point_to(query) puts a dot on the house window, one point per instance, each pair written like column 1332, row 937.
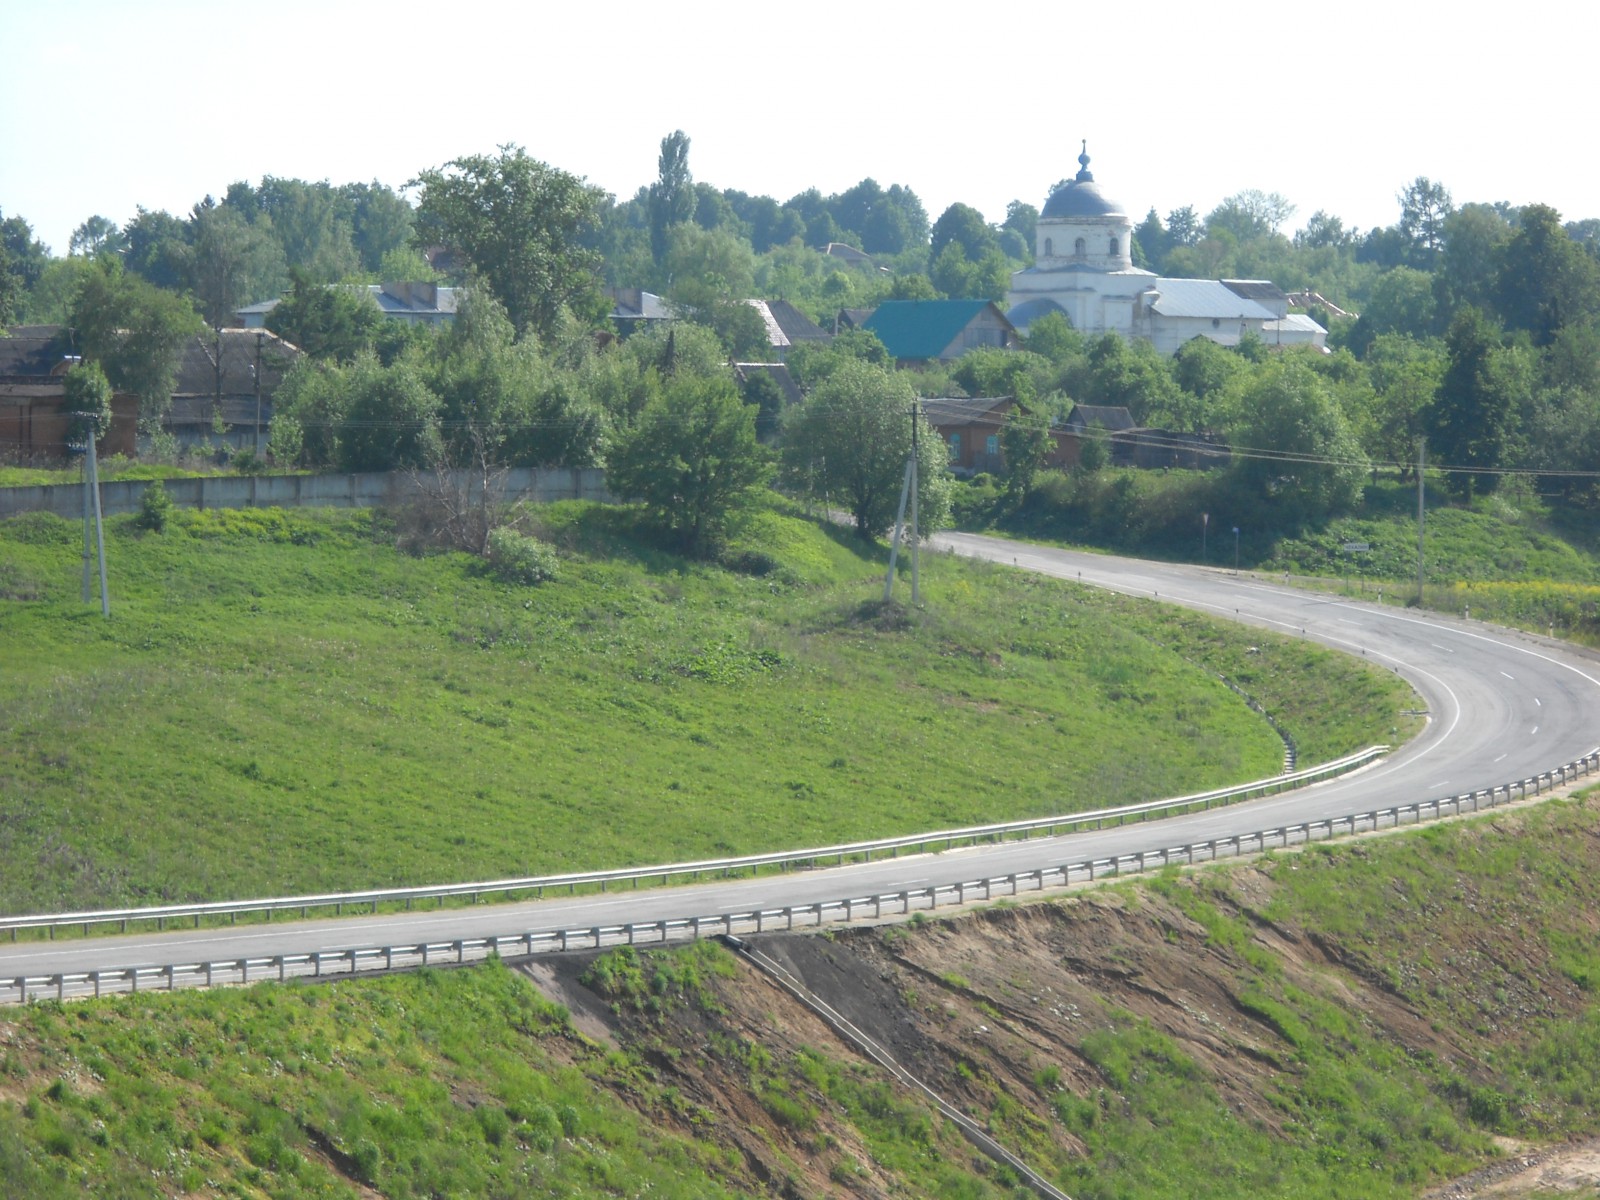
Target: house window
column 1080, row 248
column 1113, row 247
column 991, row 444
column 1049, row 248
column 955, row 445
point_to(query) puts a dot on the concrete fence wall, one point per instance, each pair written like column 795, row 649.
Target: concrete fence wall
column 534, row 484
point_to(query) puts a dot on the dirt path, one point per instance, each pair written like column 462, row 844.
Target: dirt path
column 1559, row 1170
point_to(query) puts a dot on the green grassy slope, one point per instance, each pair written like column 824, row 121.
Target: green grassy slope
column 282, row 702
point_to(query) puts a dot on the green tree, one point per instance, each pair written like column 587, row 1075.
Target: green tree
column 519, row 223
column 1546, row 279
column 380, row 225
column 390, row 418
column 135, row 331
column 848, row 442
column 693, row 459
column 158, row 249
column 965, row 226
column 326, row 321
column 672, row 195
column 232, row 262
column 1292, row 446
column 97, row 235
column 1026, row 440
column 1425, row 209
column 10, row 289
column 88, row 398
column 1471, row 414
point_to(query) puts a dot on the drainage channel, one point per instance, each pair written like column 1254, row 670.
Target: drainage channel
column 973, row 1132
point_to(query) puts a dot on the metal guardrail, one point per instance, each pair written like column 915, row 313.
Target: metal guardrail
column 782, row 860
column 65, row 985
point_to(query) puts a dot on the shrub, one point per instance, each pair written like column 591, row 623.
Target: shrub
column 520, row 559
column 155, row 507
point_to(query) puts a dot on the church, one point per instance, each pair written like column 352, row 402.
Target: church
column 1083, row 269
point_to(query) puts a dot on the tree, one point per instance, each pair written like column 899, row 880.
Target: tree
column 326, row 321
column 390, row 418
column 1027, row 442
column 88, row 398
column 1250, row 214
column 134, row 330
column 28, row 255
column 672, row 195
column 1324, row 230
column 232, row 262
column 1424, row 209
column 963, row 225
column 380, row 224
column 1292, row 445
column 1470, row 414
column 97, row 235
column 848, row 442
column 518, row 222
column 158, row 249
column 693, row 459
column 1546, row 280
column 10, row 289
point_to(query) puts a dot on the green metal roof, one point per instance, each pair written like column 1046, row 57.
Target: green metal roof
column 922, row 328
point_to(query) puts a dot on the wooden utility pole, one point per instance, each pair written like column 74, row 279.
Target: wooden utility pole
column 1422, row 460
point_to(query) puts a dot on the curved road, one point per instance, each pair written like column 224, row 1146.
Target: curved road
column 1502, row 706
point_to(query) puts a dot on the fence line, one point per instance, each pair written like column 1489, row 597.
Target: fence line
column 362, row 490
column 65, row 985
column 781, row 860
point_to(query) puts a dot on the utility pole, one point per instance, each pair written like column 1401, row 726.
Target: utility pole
column 907, row 489
column 260, row 339
column 916, row 487
column 1422, row 459
column 91, row 503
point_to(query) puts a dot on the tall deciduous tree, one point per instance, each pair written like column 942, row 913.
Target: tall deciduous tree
column 1468, row 420
column 692, row 458
column 1293, row 447
column 672, row 195
column 847, row 444
column 97, row 235
column 134, row 330
column 1546, row 279
column 232, row 262
column 326, row 320
column 519, row 223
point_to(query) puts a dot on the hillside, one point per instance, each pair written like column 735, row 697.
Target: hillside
column 282, row 701
column 1357, row 1020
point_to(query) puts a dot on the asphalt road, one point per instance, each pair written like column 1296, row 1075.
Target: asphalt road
column 1502, row 706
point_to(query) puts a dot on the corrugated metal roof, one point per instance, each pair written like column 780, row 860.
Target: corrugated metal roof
column 1114, row 417
column 1206, row 298
column 918, row 329
column 786, row 324
column 1298, row 322
column 1255, row 289
column 946, row 411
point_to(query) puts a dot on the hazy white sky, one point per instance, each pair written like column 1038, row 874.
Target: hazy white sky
column 110, row 104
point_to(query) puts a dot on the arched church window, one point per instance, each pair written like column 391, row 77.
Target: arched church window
column 1113, row 247
column 1080, row 248
column 1049, row 248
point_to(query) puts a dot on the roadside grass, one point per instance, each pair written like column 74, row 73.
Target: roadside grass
column 111, row 469
column 465, row 1083
column 281, row 703
column 1511, row 558
column 1480, row 930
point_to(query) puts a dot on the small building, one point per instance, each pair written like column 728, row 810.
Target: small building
column 35, row 422
column 633, row 309
column 214, row 397
column 970, row 428
column 787, row 326
column 416, row 302
column 916, row 331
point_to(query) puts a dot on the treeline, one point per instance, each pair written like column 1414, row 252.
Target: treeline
column 1478, row 333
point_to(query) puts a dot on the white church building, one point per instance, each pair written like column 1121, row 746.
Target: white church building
column 1083, row 268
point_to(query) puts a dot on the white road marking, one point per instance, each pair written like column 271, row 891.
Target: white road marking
column 1508, row 675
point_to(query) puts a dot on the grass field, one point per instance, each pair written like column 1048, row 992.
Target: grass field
column 282, row 702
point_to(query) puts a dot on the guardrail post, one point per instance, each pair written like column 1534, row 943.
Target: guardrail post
column 788, row 916
column 61, row 986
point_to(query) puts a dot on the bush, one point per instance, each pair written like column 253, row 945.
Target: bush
column 517, row 558
column 155, row 507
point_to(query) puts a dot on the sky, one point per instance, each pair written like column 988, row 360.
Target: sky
column 108, row 105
